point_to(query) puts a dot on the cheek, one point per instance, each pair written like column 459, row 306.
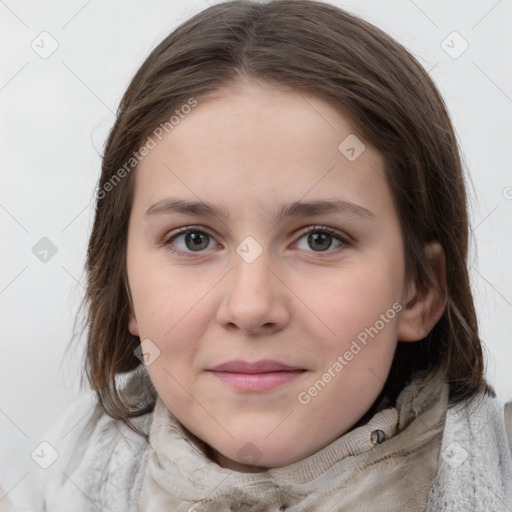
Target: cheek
column 361, row 308
column 175, row 322
column 164, row 299
column 354, row 300
column 171, row 310
column 357, row 306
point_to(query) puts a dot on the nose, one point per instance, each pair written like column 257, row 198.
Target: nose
column 254, row 298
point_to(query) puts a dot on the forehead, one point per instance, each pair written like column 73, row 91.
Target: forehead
column 255, row 145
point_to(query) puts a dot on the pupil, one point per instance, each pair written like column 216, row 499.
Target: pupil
column 323, row 239
column 197, row 241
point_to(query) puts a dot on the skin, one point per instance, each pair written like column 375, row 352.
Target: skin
column 249, row 148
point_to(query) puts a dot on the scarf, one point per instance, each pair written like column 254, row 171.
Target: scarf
column 390, row 462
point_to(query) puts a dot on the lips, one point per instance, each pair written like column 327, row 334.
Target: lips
column 263, row 366
column 256, row 377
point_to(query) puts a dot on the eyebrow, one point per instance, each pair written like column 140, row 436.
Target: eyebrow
column 295, row 209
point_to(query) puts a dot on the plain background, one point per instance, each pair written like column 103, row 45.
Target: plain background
column 56, row 112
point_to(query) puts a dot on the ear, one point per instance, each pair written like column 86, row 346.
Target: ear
column 133, row 326
column 424, row 305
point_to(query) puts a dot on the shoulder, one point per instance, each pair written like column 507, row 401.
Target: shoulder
column 59, row 442
column 95, row 458
column 483, row 417
column 475, row 461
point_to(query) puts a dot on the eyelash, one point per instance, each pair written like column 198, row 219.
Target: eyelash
column 310, row 229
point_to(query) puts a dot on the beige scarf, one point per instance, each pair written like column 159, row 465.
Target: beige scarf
column 362, row 470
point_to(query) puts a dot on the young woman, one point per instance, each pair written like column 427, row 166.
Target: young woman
column 279, row 308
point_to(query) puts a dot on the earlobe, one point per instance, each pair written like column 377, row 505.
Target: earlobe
column 424, row 305
column 133, row 326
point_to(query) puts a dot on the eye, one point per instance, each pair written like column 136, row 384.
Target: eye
column 321, row 239
column 189, row 240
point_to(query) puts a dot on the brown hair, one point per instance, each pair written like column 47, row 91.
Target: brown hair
column 393, row 104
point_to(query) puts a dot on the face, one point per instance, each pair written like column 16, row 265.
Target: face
column 272, row 307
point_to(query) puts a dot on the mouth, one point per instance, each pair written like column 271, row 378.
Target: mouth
column 258, row 376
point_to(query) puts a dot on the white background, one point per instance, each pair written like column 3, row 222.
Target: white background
column 56, row 112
